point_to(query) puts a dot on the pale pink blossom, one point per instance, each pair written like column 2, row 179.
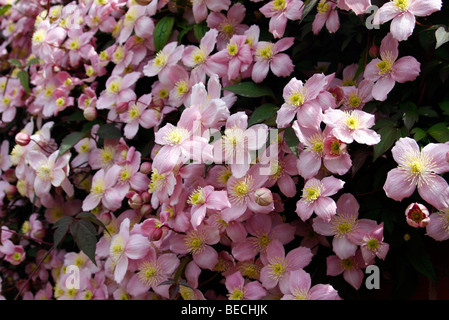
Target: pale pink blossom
column 239, row 289
column 358, row 6
column 280, row 265
column 371, row 243
column 350, row 267
column 139, row 114
column 300, row 288
column 353, row 125
column 153, row 269
column 168, row 56
column 200, row 8
column 419, row 169
column 326, row 15
column 402, row 13
column 268, row 56
column 316, row 197
column 344, row 224
column 388, row 70
column 438, row 227
column 125, row 246
column 280, row 12
column 205, row 198
column 49, row 171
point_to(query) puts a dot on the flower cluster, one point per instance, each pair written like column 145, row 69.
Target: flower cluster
column 125, row 130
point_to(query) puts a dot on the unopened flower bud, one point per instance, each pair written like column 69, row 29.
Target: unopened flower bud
column 374, row 51
column 10, row 190
column 122, row 107
column 146, row 196
column 106, row 218
column 263, row 197
column 22, row 138
column 135, row 201
column 146, row 167
column 90, row 113
column 146, row 209
column 417, row 215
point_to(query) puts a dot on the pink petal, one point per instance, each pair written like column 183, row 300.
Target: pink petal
column 382, row 88
column 343, row 248
column 406, row 69
column 325, row 208
column 402, row 26
column 424, row 8
column 397, row 186
column 137, row 246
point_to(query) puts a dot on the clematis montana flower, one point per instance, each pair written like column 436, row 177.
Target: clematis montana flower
column 402, row 13
column 419, row 169
column 388, row 70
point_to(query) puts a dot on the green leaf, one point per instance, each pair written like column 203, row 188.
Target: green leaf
column 411, row 115
column 445, row 107
column 69, row 141
column 15, row 62
column 61, row 226
column 308, row 6
column 418, row 133
column 4, row 9
column 291, row 139
column 388, row 137
column 24, row 80
column 109, row 131
column 90, row 216
column 428, row 111
column 84, row 234
column 440, row 132
column 33, row 61
column 442, row 36
column 262, row 113
column 250, row 89
column 162, row 32
column 199, row 30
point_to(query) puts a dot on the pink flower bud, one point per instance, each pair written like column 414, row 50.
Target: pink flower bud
column 90, row 113
column 417, row 215
column 135, row 201
column 106, row 218
column 146, row 196
column 146, row 167
column 263, row 197
column 122, row 107
column 146, row 209
column 374, row 51
column 11, row 190
column 22, row 139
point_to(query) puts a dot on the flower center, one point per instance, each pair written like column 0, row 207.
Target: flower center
column 197, row 197
column 44, row 172
column 134, row 112
column 384, row 66
column 236, row 294
column 232, row 49
column 266, row 52
column 297, row 99
column 323, row 6
column 279, row 4
column 354, row 100
column 372, row 244
column 199, row 56
column 401, row 4
column 160, row 60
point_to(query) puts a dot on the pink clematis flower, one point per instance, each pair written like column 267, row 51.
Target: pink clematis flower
column 199, row 243
column 417, row 215
column 326, row 15
column 389, row 69
column 402, row 13
column 300, row 288
column 351, row 268
column 279, row 12
column 235, row 58
column 343, row 225
column 168, row 56
column 300, row 100
column 227, row 25
column 358, row 6
column 49, row 171
column 102, row 190
column 125, row 246
column 268, row 56
column 279, row 265
column 205, row 198
column 438, row 227
column 419, row 168
column 152, row 271
column 238, row 289
column 235, row 147
column 348, row 126
column 199, row 8
column 316, row 198
column 371, row 244
column 139, row 115
column 14, row 254
column 137, row 20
